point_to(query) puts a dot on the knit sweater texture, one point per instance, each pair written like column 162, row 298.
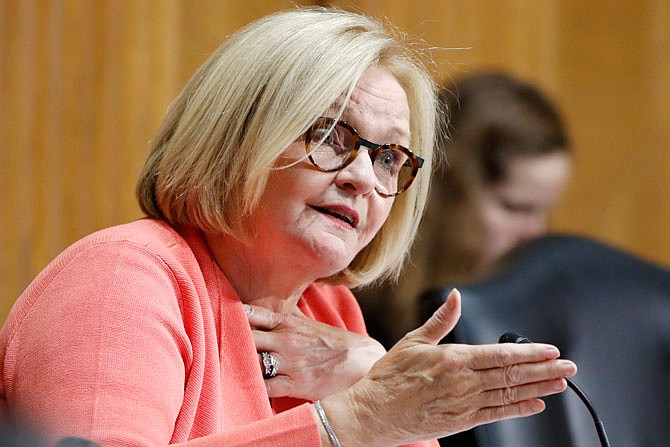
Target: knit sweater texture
column 134, row 337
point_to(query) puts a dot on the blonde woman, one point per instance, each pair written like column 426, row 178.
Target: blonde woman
column 224, row 318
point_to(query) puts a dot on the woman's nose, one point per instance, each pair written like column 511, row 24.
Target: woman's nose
column 359, row 175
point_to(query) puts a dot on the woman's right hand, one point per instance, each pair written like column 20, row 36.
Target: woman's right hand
column 422, row 390
column 316, row 359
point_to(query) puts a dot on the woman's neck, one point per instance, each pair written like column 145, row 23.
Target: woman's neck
column 259, row 280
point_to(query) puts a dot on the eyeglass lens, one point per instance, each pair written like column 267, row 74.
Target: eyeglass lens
column 332, row 148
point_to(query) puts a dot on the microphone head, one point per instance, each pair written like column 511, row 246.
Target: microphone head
column 511, row 337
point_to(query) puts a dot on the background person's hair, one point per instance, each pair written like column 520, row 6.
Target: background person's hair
column 259, row 92
column 492, row 118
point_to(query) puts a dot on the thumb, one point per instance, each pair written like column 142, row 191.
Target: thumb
column 442, row 321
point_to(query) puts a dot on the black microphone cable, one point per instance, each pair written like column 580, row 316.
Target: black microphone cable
column 511, row 337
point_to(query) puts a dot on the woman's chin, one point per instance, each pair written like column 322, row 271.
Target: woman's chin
column 331, row 258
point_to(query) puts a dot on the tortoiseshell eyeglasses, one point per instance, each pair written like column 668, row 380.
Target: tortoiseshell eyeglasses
column 332, row 145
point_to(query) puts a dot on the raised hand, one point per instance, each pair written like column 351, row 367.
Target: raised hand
column 422, row 390
column 315, row 359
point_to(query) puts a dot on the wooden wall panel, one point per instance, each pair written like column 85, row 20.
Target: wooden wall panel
column 84, row 84
column 612, row 61
column 608, row 68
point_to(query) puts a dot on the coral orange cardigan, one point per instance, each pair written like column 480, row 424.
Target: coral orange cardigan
column 134, row 337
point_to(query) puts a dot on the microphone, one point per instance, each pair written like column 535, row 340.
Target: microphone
column 511, row 337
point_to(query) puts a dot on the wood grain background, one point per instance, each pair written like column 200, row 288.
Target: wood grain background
column 84, row 84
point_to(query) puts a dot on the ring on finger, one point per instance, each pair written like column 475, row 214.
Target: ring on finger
column 270, row 365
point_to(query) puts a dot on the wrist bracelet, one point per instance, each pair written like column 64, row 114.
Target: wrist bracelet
column 326, row 424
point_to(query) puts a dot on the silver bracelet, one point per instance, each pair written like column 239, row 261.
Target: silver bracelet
column 326, row 424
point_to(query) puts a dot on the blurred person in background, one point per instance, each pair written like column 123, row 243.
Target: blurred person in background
column 507, row 162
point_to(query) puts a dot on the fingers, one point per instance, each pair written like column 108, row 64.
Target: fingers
column 520, row 409
column 278, row 386
column 262, row 318
column 515, row 402
column 511, row 380
column 514, row 375
column 516, row 394
column 265, row 341
column 506, row 354
column 513, row 395
column 442, row 321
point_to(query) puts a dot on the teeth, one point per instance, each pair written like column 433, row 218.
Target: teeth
column 345, row 217
column 342, row 216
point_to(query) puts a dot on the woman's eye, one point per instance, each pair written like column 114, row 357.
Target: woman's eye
column 338, row 141
column 322, row 135
column 388, row 160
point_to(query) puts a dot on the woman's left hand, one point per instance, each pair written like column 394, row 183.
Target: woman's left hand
column 315, row 359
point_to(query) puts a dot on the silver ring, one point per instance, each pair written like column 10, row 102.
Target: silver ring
column 270, row 364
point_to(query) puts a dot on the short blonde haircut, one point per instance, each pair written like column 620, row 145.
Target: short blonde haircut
column 258, row 93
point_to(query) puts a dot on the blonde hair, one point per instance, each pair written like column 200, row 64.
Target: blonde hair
column 258, row 93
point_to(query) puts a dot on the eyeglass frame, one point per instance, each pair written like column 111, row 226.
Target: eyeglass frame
column 375, row 149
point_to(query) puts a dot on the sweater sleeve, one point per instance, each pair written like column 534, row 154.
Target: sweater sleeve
column 98, row 349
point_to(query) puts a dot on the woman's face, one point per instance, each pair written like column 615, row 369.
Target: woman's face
column 320, row 220
column 517, row 208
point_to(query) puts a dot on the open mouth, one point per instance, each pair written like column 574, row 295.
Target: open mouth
column 339, row 213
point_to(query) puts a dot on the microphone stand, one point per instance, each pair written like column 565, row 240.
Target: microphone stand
column 511, row 337
column 600, row 427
